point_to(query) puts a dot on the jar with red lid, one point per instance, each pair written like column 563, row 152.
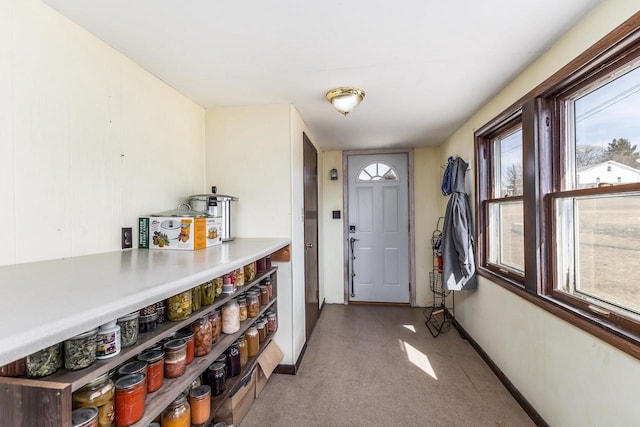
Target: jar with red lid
column 131, row 391
column 155, row 368
column 188, row 336
column 177, row 414
column 201, row 329
column 175, row 358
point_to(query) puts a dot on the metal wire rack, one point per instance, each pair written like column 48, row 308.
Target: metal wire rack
column 439, row 316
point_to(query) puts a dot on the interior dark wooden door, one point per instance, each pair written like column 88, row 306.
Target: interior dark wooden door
column 310, row 233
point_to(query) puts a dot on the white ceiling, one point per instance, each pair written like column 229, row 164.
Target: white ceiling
column 426, row 65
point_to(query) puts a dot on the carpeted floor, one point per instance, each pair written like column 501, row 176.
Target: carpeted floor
column 379, row 366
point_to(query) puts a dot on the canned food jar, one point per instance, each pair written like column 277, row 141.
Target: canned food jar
column 179, row 306
column 253, row 304
column 129, row 329
column 16, row 368
column 264, row 295
column 228, row 283
column 231, row 317
column 155, row 368
column 44, row 362
column 217, row 284
column 216, row 325
column 222, row 359
column 242, row 303
column 261, row 326
column 200, row 401
column 216, row 378
column 267, row 282
column 272, row 322
column 175, row 358
column 133, row 367
column 177, row 414
column 268, row 262
column 108, row 340
column 261, row 265
column 131, row 391
column 244, row 353
column 253, row 341
column 239, row 275
column 80, row 351
column 196, row 299
column 250, row 271
column 149, row 322
column 150, row 309
column 207, row 293
column 85, row 417
column 162, row 310
column 233, row 360
column 188, row 336
column 202, row 340
column 99, row 393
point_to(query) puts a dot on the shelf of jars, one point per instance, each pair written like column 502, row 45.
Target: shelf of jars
column 156, row 402
column 145, row 340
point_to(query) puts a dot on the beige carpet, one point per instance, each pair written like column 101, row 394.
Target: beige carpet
column 379, row 366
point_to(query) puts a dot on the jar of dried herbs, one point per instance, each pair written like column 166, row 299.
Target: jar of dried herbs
column 179, row 306
column 45, row 362
column 129, row 329
column 80, row 351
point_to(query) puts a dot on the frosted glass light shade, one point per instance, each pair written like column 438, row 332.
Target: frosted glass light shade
column 345, row 99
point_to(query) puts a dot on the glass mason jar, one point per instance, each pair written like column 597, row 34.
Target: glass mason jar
column 202, row 331
column 272, row 322
column 80, row 351
column 200, row 401
column 179, row 306
column 155, row 368
column 267, row 282
column 244, row 352
column 216, row 378
column 44, row 362
column 253, row 341
column 253, row 304
column 250, row 271
column 207, row 293
column 196, row 299
column 216, row 325
column 177, row 414
column 85, row 417
column 188, row 336
column 175, row 358
column 101, row 394
column 261, row 265
column 129, row 329
column 217, row 284
column 233, row 360
column 131, row 391
column 242, row 303
column 239, row 275
column 133, row 367
column 231, row 317
column 261, row 326
column 264, row 295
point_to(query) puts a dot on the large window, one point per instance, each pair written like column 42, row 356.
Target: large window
column 558, row 192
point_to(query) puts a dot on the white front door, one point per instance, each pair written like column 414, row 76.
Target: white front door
column 378, row 227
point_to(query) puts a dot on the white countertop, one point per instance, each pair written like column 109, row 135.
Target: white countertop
column 46, row 302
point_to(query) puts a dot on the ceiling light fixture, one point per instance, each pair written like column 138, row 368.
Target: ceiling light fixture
column 345, row 99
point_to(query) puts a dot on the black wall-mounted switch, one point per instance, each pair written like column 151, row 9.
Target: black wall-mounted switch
column 336, row 214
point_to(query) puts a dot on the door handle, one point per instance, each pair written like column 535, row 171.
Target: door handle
column 308, row 245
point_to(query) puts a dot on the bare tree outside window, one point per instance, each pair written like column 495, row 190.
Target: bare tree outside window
column 512, row 181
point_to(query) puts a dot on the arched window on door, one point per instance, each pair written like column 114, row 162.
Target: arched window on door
column 377, row 171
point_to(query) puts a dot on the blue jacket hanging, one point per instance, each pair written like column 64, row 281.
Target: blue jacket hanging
column 458, row 263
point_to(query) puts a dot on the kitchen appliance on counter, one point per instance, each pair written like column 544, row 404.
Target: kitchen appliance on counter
column 216, row 205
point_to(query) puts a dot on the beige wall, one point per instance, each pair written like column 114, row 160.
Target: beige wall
column 569, row 376
column 89, row 140
column 332, row 269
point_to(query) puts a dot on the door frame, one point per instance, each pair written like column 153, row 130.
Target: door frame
column 345, row 223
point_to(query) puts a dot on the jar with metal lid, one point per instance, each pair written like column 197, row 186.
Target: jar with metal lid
column 196, row 299
column 16, row 368
column 216, row 325
column 161, row 310
column 200, row 401
column 155, row 368
column 239, row 275
column 264, row 295
column 108, row 340
column 272, row 322
column 223, row 359
column 267, row 282
column 261, row 265
column 202, row 331
column 188, row 336
column 207, row 293
column 261, row 326
column 253, row 304
column 228, row 283
column 244, row 353
column 99, row 393
column 80, row 351
column 148, row 322
column 129, row 329
column 177, row 414
column 131, row 391
column 250, row 271
column 175, row 358
column 133, row 367
column 85, row 417
column 231, row 317
column 268, row 261
column 179, row 306
column 233, row 360
column 253, row 341
column 44, row 362
column 217, row 284
column 216, row 377
column 242, row 303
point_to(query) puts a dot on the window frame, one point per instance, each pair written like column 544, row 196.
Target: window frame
column 543, row 128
